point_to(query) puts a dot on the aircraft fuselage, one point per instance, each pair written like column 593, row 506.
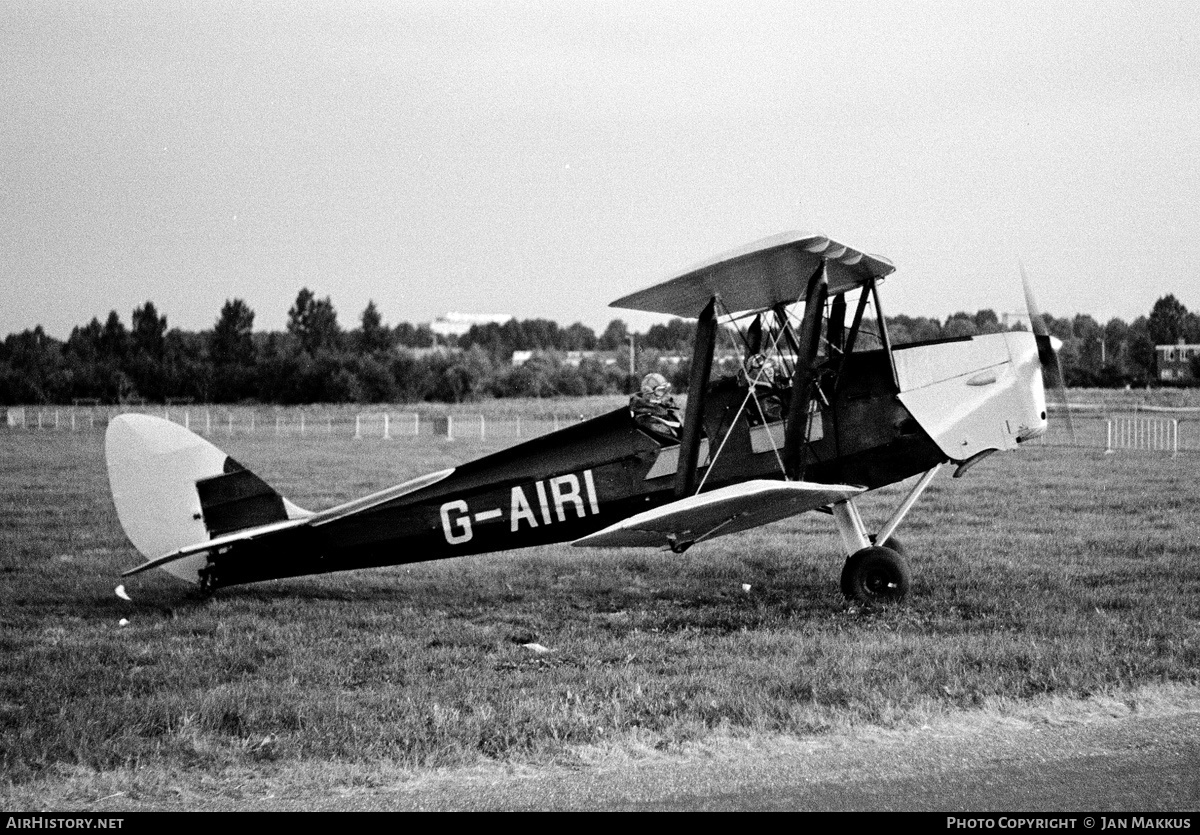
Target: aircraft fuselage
column 585, row 477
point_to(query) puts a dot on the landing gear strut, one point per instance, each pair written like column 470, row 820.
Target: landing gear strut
column 876, row 573
column 208, row 580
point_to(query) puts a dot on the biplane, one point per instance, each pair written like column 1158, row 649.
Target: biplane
column 846, row 413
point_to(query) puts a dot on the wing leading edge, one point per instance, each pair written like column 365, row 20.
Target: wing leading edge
column 760, row 275
column 730, row 509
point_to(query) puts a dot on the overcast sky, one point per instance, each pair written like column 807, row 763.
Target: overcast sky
column 545, row 158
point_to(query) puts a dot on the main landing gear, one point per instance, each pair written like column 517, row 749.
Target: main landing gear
column 876, row 573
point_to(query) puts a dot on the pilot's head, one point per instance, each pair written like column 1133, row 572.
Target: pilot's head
column 760, row 369
column 655, row 385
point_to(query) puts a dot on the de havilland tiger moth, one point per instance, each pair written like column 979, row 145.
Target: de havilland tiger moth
column 827, row 411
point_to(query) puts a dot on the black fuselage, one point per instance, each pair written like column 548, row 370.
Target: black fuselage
column 581, row 479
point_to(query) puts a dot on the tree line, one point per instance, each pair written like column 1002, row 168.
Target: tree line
column 316, row 360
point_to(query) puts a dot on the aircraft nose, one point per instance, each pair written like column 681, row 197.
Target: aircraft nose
column 1034, row 421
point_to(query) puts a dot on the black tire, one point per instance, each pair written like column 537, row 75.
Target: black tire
column 893, row 543
column 875, row 575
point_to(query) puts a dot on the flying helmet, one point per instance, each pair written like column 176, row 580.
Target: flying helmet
column 655, row 383
column 759, row 369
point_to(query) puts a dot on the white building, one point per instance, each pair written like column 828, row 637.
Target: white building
column 1175, row 362
column 454, row 325
column 570, row 358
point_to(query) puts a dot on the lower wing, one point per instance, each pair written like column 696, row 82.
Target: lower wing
column 730, row 509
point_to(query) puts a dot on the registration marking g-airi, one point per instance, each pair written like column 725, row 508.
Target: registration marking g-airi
column 553, row 500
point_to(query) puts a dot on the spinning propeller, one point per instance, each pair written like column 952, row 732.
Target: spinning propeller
column 1047, row 355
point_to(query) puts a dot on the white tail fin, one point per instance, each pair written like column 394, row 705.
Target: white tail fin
column 173, row 489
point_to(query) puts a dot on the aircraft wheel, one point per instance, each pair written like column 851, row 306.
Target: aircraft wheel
column 893, row 543
column 875, row 575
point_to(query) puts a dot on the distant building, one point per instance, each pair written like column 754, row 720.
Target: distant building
column 664, row 362
column 570, row 358
column 454, row 325
column 1175, row 362
column 576, row 358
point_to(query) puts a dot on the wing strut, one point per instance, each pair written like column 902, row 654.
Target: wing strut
column 883, row 336
column 785, row 327
column 852, row 336
column 806, row 369
column 835, row 328
column 702, row 358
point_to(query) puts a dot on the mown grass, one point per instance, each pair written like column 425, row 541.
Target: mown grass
column 1046, row 571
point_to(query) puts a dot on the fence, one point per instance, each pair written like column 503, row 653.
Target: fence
column 298, row 422
column 1155, row 434
column 1093, row 429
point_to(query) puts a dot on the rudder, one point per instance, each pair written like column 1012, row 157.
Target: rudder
column 173, row 488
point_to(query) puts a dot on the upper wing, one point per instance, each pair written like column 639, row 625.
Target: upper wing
column 727, row 510
column 763, row 274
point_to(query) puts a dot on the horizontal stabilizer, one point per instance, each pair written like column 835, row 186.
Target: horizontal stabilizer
column 730, row 509
column 217, row 543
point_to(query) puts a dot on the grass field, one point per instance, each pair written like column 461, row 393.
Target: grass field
column 1049, row 571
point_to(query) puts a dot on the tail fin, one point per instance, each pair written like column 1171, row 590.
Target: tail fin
column 173, row 489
